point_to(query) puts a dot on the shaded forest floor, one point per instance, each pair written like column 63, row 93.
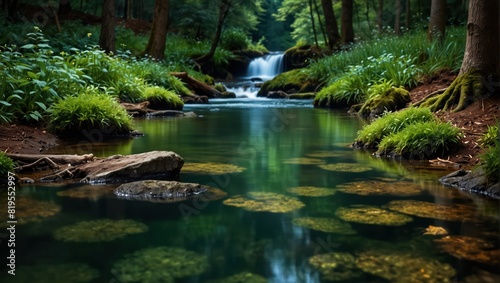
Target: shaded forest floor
column 473, row 121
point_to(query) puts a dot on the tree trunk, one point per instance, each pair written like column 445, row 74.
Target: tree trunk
column 129, row 9
column 408, row 15
column 312, row 22
column 380, row 12
column 347, row 29
column 478, row 77
column 332, row 31
column 318, row 14
column 107, row 37
column 64, row 7
column 437, row 22
column 158, row 36
column 367, row 15
column 224, row 7
column 397, row 18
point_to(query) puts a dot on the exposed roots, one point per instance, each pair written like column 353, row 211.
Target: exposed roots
column 464, row 90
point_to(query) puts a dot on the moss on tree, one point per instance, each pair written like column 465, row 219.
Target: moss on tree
column 464, row 90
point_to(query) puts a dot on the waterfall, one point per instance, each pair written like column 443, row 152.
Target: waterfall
column 266, row 67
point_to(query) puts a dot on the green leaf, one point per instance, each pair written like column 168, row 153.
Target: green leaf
column 32, row 75
column 5, row 103
column 41, row 105
column 28, row 46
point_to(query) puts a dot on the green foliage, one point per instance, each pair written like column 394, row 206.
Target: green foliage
column 490, row 137
column 88, row 110
column 296, row 80
column 380, row 87
column 391, row 99
column 372, row 134
column 490, row 160
column 234, row 39
column 346, row 91
column 6, row 164
column 161, row 98
column 422, row 140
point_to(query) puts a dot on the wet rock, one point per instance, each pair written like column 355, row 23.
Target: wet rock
column 472, row 181
column 392, row 100
column 122, row 168
column 277, row 94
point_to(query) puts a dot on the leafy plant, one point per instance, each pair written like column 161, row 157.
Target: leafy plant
column 490, row 160
column 6, row 164
column 371, row 135
column 90, row 109
column 490, row 137
column 422, row 140
column 161, row 98
column 234, row 39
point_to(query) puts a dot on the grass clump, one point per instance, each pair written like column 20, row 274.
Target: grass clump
column 6, row 164
column 490, row 137
column 422, row 140
column 371, row 135
column 161, row 99
column 89, row 110
column 291, row 81
column 491, row 155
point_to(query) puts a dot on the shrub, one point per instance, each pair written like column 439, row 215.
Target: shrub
column 422, row 140
column 490, row 137
column 234, row 39
column 371, row 135
column 90, row 109
column 6, row 164
column 161, row 98
column 490, row 162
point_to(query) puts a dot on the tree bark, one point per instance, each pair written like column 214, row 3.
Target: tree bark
column 347, row 28
column 60, row 159
column 311, row 14
column 332, row 31
column 107, row 37
column 437, row 22
column 158, row 36
column 224, row 8
column 478, row 77
column 380, row 12
column 397, row 18
column 408, row 15
column 198, row 87
column 318, row 14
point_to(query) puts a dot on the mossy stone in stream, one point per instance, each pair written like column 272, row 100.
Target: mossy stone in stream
column 159, row 264
column 54, row 273
column 345, row 167
column 242, row 277
column 470, row 248
column 263, row 201
column 304, row 161
column 366, row 188
column 102, row 230
column 30, row 210
column 309, row 191
column 372, row 215
column 328, row 225
column 336, row 266
column 211, row 168
column 405, row 268
column 456, row 212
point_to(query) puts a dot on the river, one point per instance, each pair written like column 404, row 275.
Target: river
column 286, row 152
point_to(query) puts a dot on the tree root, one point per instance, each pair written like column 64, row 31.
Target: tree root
column 37, row 163
column 464, row 90
column 60, row 175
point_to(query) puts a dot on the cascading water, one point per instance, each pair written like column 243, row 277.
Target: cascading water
column 259, row 70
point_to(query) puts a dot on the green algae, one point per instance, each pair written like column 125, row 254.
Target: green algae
column 211, row 168
column 242, row 277
column 372, row 215
column 88, row 192
column 102, row 230
column 366, row 188
column 345, row 167
column 30, row 210
column 54, row 273
column 328, row 225
column 263, row 201
column 304, row 161
column 336, row 266
column 455, row 212
column 470, row 248
column 309, row 191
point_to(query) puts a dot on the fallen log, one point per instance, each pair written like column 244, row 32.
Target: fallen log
column 200, row 88
column 55, row 158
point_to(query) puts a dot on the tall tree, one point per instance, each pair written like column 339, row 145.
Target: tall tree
column 397, row 18
column 224, row 7
column 437, row 22
column 480, row 68
column 107, row 37
column 408, row 15
column 311, row 14
column 380, row 12
column 332, row 31
column 347, row 28
column 156, row 44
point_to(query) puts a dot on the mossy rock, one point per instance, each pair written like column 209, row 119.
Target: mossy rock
column 455, row 212
column 309, row 191
column 300, row 56
column 162, row 99
column 228, row 94
column 372, row 215
column 394, row 99
column 336, row 266
column 307, row 95
column 53, row 272
column 470, row 248
column 295, row 81
column 242, row 277
column 327, row 225
column 102, row 230
column 263, row 201
column 30, row 210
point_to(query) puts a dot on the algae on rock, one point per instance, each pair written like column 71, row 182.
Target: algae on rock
column 263, row 201
column 372, row 215
column 102, row 230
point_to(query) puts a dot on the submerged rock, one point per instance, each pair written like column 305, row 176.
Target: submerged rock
column 102, row 230
column 165, row 191
column 122, row 168
column 30, row 210
column 211, row 168
column 366, row 188
column 345, row 167
column 472, row 181
column 372, row 215
column 54, row 273
column 328, row 225
column 309, row 191
column 263, row 201
column 336, row 266
column 470, row 248
column 456, row 212
column 242, row 277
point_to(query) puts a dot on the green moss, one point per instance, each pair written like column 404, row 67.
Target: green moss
column 371, row 135
column 162, row 99
column 291, row 81
column 89, row 110
column 344, row 92
column 422, row 140
column 390, row 100
column 6, row 164
column 101, row 230
column 220, row 87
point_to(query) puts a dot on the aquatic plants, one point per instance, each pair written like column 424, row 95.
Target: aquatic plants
column 366, row 188
column 304, row 161
column 101, row 230
column 211, row 168
column 372, row 215
column 345, row 167
column 242, row 277
column 159, row 264
column 90, row 109
column 309, row 191
column 456, row 212
column 89, row 192
column 328, row 225
column 160, row 98
column 405, row 267
column 470, row 248
column 6, row 164
column 54, row 272
column 263, row 201
column 337, row 266
column 31, row 210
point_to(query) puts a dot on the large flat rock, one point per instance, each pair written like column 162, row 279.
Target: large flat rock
column 122, row 168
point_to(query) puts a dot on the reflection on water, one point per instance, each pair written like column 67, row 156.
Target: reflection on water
column 280, row 145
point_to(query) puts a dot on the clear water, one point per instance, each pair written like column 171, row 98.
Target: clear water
column 259, row 135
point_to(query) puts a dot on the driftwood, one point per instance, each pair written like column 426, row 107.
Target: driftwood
column 198, row 87
column 55, row 158
column 37, row 163
column 139, row 109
